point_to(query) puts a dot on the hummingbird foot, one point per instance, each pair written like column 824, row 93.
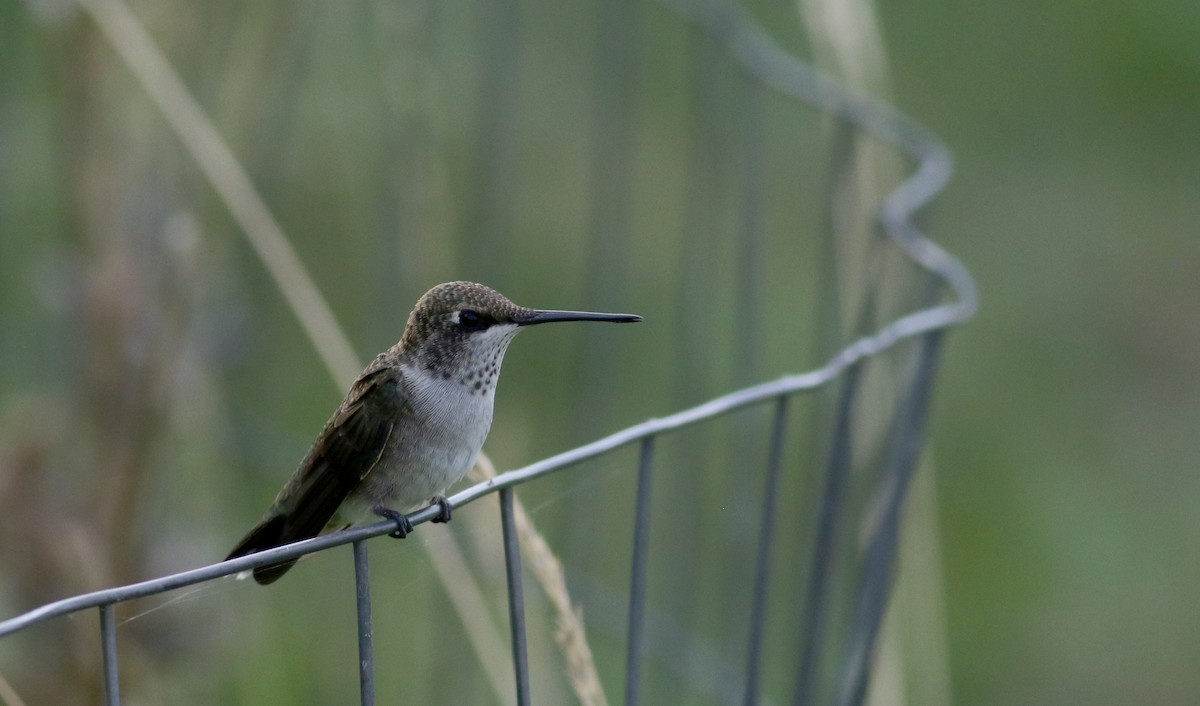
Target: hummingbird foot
column 403, row 526
column 444, row 504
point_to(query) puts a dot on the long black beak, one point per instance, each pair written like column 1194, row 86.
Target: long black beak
column 545, row 316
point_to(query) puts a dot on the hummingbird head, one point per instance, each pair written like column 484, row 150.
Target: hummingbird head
column 462, row 329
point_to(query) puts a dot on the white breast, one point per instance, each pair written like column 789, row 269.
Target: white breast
column 454, row 415
column 438, row 444
column 435, row 445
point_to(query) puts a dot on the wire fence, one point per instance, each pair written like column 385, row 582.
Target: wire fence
column 946, row 299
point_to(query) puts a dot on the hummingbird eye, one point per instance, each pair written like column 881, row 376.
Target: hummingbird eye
column 471, row 320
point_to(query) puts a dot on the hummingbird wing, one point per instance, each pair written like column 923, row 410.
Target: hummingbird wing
column 347, row 449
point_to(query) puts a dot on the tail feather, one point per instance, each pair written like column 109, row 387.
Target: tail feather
column 268, row 534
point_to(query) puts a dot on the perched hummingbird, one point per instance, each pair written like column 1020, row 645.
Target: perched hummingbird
column 411, row 425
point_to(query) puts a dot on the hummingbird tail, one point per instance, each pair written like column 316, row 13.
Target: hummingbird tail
column 267, row 534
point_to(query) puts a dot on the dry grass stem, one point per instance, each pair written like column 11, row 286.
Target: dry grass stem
column 8, row 694
column 847, row 39
column 129, row 38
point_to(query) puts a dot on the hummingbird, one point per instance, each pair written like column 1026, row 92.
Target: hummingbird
column 411, row 425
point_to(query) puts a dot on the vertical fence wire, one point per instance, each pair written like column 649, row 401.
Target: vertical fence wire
column 762, row 564
column 637, row 574
column 366, row 650
column 108, row 645
column 836, row 478
column 516, row 595
column 880, row 555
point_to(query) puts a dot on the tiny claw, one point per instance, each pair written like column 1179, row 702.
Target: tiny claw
column 444, row 504
column 403, row 526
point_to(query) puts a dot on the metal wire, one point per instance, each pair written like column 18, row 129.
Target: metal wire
column 880, row 554
column 516, row 596
column 637, row 575
column 108, row 646
column 366, row 650
column 836, row 477
column 762, row 564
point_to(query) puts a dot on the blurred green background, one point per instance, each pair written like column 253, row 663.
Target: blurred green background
column 155, row 389
column 1065, row 434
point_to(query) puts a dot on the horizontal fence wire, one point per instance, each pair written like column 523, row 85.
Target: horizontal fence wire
column 775, row 69
column 906, row 327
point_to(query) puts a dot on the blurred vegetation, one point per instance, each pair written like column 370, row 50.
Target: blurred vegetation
column 1065, row 429
column 155, row 389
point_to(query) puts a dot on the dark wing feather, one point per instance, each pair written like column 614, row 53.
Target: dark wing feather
column 347, row 449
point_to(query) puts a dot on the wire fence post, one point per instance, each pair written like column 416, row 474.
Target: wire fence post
column 516, row 595
column 366, row 650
